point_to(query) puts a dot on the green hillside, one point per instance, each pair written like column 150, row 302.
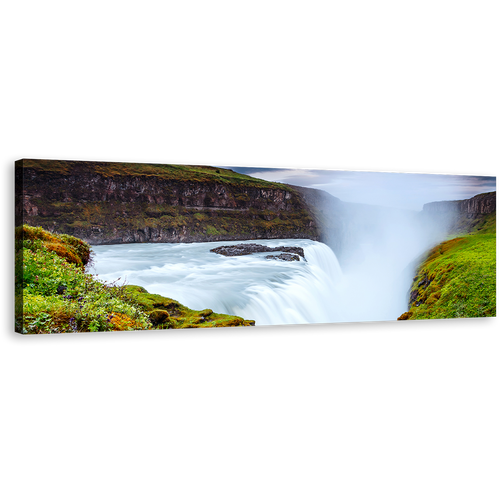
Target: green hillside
column 458, row 277
column 54, row 294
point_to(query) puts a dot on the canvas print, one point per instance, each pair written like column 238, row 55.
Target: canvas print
column 106, row 246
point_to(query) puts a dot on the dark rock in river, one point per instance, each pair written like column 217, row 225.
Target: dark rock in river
column 250, row 248
column 289, row 257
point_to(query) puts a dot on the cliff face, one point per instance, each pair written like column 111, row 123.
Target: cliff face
column 462, row 216
column 113, row 203
column 484, row 203
column 83, row 186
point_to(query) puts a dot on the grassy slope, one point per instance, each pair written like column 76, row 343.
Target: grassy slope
column 195, row 173
column 55, row 295
column 80, row 218
column 458, row 277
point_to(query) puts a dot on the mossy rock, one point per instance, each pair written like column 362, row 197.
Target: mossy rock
column 164, row 311
column 150, row 301
column 159, row 316
column 64, row 251
column 457, row 279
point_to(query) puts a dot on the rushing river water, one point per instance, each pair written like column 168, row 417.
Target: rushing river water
column 271, row 292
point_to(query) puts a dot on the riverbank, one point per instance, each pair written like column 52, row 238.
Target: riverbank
column 457, row 279
column 54, row 294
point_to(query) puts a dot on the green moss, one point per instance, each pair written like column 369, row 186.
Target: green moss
column 211, row 231
column 68, row 247
column 168, row 313
column 200, row 217
column 457, row 279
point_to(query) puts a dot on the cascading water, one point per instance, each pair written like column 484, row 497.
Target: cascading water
column 268, row 291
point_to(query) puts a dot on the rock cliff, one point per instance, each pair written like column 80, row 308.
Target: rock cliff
column 104, row 203
column 461, row 216
column 484, row 203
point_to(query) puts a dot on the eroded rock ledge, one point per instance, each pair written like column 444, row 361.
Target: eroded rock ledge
column 250, row 248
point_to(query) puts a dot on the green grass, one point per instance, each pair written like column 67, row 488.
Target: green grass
column 54, row 294
column 193, row 173
column 171, row 314
column 458, row 277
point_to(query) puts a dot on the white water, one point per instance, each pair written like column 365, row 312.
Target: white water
column 271, row 292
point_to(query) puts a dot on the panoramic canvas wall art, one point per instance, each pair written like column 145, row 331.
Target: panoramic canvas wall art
column 106, row 246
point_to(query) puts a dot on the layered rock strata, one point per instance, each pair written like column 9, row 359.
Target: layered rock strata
column 484, row 203
column 107, row 203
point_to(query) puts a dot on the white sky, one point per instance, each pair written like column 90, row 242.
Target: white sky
column 399, row 190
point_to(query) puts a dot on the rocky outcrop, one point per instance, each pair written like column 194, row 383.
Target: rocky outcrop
column 461, row 216
column 484, row 203
column 251, row 248
column 416, row 292
column 481, row 204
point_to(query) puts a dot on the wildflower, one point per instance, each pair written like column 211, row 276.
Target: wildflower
column 72, row 324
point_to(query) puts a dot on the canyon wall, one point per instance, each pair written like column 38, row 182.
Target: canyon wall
column 462, row 216
column 128, row 203
column 484, row 203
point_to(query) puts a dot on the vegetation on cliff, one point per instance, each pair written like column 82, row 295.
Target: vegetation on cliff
column 457, row 279
column 54, row 294
column 191, row 173
column 142, row 221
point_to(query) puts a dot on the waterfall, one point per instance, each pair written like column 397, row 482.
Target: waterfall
column 271, row 292
column 274, row 292
column 308, row 294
